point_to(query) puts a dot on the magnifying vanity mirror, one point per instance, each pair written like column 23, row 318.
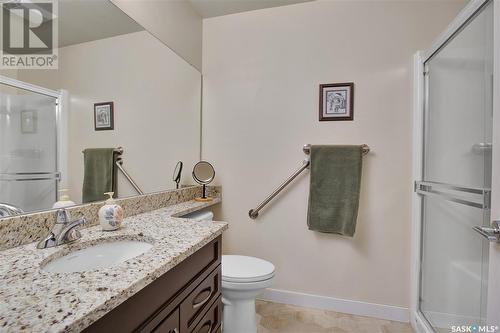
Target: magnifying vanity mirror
column 203, row 174
column 115, row 85
column 177, row 174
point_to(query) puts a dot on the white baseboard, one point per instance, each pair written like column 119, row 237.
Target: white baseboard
column 381, row 311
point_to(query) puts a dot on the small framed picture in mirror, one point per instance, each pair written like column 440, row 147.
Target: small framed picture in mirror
column 29, row 121
column 336, row 101
column 103, row 116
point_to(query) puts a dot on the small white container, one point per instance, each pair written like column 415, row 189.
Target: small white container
column 111, row 214
column 64, row 200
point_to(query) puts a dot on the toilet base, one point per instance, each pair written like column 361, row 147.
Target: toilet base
column 238, row 313
column 239, row 316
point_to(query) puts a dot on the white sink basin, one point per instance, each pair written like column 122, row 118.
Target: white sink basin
column 101, row 255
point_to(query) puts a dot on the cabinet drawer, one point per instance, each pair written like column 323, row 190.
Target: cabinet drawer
column 199, row 299
column 211, row 320
column 169, row 324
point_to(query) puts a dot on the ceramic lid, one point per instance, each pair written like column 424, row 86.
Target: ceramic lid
column 245, row 269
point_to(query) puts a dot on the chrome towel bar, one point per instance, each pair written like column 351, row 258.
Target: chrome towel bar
column 254, row 213
column 365, row 149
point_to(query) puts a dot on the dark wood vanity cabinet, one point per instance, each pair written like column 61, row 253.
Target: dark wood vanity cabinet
column 187, row 299
column 171, row 324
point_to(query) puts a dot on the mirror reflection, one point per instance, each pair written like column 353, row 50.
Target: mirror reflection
column 177, row 174
column 70, row 134
column 203, row 174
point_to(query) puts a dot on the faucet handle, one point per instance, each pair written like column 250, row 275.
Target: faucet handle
column 62, row 216
column 64, row 231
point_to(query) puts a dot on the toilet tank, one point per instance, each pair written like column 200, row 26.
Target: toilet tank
column 202, row 215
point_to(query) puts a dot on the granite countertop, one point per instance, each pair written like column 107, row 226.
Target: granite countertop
column 33, row 300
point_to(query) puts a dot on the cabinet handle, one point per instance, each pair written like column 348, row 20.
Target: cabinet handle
column 207, row 323
column 198, row 304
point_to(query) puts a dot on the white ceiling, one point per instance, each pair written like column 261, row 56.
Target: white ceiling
column 83, row 21
column 211, row 8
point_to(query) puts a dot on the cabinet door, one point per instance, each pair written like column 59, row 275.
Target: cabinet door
column 169, row 324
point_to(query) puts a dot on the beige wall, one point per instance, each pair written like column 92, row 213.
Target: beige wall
column 175, row 22
column 261, row 75
column 156, row 96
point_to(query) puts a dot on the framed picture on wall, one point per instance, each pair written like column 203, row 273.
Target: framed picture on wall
column 336, row 101
column 29, row 121
column 103, row 116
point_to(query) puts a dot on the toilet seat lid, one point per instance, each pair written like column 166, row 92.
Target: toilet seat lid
column 245, row 269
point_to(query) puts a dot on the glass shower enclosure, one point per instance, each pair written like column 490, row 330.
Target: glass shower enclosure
column 456, row 176
column 29, row 166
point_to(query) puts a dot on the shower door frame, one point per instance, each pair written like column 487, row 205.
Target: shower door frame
column 61, row 143
column 418, row 322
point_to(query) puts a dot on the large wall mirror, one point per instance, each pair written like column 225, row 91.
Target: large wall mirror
column 120, row 102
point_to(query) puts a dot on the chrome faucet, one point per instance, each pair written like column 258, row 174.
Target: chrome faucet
column 7, row 210
column 64, row 231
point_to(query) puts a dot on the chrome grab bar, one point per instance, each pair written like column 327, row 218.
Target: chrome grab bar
column 119, row 163
column 254, row 213
column 448, row 192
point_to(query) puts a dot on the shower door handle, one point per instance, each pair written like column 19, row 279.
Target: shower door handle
column 490, row 233
column 482, row 147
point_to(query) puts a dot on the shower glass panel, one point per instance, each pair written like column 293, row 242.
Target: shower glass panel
column 457, row 176
column 28, row 149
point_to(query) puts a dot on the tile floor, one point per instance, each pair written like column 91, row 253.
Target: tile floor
column 280, row 318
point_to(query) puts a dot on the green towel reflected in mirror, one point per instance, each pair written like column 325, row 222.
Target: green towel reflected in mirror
column 100, row 174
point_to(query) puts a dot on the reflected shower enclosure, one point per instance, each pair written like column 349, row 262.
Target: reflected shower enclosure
column 30, row 165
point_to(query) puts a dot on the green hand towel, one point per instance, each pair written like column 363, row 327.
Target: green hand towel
column 334, row 189
column 99, row 174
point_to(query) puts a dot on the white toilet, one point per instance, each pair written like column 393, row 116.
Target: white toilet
column 243, row 279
